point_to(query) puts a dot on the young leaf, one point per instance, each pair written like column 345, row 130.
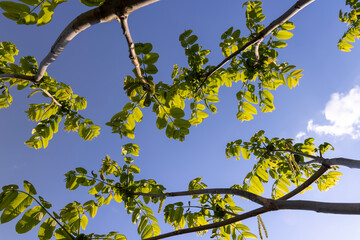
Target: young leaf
column 16, row 207
column 29, row 188
column 46, row 229
column 30, row 219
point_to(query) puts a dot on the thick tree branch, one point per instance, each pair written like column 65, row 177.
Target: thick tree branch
column 83, row 21
column 246, row 215
column 350, row 163
column 109, row 11
column 323, row 207
column 298, row 6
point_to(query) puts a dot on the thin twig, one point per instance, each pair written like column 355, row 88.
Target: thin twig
column 51, row 96
column 248, row 195
column 39, row 203
column 299, row 5
column 132, row 53
column 294, row 152
column 31, row 79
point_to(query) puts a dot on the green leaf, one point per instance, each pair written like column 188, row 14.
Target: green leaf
column 29, row 188
column 344, row 46
column 255, row 181
column 249, row 235
column 148, row 232
column 83, row 222
column 81, row 170
column 31, row 2
column 138, row 115
column 147, row 47
column 260, row 172
column 118, row 197
column 151, row 69
column 30, row 219
column 282, row 186
column 16, row 207
column 278, row 44
column 201, row 114
column 151, row 58
column 161, row 123
column 282, row 34
column 7, row 199
column 248, row 108
column 13, row 7
column 46, row 229
column 244, row 116
column 96, row 189
column 29, row 19
column 46, row 12
column 142, row 224
column 92, row 3
column 288, row 26
column 134, row 169
column 120, row 237
column 251, row 97
column 45, row 203
column 211, row 98
column 192, row 39
column 182, row 123
column 177, row 112
column 245, row 153
column 61, row 234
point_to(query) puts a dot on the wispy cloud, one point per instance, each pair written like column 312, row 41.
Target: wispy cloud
column 343, row 113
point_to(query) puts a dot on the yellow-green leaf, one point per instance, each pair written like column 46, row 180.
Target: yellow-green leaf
column 16, row 207
column 282, row 34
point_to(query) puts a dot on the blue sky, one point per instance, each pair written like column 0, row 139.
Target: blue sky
column 324, row 106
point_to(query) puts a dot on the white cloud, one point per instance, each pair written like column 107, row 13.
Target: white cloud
column 343, row 113
column 300, row 135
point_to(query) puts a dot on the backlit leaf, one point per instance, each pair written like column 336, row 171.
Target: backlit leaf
column 30, row 219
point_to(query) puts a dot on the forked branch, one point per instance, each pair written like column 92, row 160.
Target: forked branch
column 298, row 6
column 269, row 206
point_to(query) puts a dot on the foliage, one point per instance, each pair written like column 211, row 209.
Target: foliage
column 255, row 72
column 48, row 115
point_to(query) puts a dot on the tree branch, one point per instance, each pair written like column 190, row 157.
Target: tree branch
column 295, row 153
column 350, row 163
column 248, row 195
column 31, row 79
column 83, row 21
column 298, row 6
column 132, row 53
column 19, row 76
column 249, row 214
column 107, row 12
column 323, row 207
column 307, row 183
